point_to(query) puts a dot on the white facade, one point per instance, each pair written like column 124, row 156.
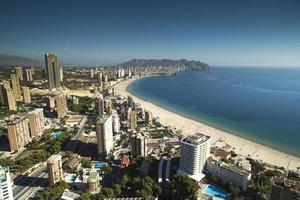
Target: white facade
column 116, row 123
column 5, row 184
column 229, row 173
column 104, row 131
column 194, row 153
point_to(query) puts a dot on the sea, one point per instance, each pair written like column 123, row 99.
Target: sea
column 257, row 103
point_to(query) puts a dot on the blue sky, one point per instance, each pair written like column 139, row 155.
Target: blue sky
column 219, row 32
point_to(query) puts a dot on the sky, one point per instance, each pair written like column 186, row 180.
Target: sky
column 218, row 32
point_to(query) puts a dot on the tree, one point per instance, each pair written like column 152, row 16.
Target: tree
column 183, row 187
column 108, row 192
column 117, row 189
column 86, row 196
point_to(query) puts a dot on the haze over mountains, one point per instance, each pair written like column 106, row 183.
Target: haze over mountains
column 13, row 60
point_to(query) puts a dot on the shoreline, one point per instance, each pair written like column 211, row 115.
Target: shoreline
column 188, row 125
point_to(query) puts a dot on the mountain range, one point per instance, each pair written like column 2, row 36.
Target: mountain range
column 13, row 60
column 192, row 64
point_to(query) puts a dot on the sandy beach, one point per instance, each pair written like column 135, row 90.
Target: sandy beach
column 241, row 146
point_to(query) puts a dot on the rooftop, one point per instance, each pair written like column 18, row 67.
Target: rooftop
column 102, row 119
column 196, row 139
column 54, row 158
column 3, row 172
column 93, row 176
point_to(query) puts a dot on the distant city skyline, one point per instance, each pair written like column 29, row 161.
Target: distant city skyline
column 231, row 33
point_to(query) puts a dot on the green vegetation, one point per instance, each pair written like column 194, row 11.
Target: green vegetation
column 131, row 186
column 294, row 176
column 83, row 104
column 38, row 151
column 52, row 192
column 182, row 187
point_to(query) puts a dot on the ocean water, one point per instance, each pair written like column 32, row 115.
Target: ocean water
column 257, row 103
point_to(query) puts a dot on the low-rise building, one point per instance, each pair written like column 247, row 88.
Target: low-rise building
column 283, row 188
column 228, row 173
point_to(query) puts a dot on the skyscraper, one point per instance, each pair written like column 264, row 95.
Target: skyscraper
column 194, row 153
column 138, row 146
column 26, row 95
column 148, row 118
column 99, row 104
column 55, row 172
column 133, row 120
column 19, row 73
column 53, row 71
column 7, row 97
column 104, row 131
column 18, row 133
column 28, row 73
column 61, row 105
column 5, row 184
column 61, row 73
column 16, row 87
column 36, row 122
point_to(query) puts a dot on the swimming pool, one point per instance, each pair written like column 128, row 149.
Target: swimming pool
column 56, row 134
column 216, row 192
column 99, row 165
column 70, row 178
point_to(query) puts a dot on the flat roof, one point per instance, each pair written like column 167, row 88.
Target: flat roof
column 93, row 176
column 103, row 118
column 54, row 158
column 196, row 177
column 196, row 139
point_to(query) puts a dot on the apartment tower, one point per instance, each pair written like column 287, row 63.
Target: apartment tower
column 55, row 172
column 53, row 71
column 18, row 133
column 104, row 131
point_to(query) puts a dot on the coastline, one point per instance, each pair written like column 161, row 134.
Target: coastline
column 188, row 126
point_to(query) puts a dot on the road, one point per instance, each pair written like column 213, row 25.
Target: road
column 38, row 179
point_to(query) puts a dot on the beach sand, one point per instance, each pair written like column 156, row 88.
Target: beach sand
column 241, row 146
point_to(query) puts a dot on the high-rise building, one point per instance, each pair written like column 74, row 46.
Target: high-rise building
column 130, row 101
column 99, row 104
column 36, row 122
column 148, row 118
column 194, row 153
column 61, row 72
column 53, row 71
column 55, row 171
column 2, row 90
column 18, row 133
column 8, row 98
column 28, row 73
column 94, row 181
column 61, row 105
column 26, row 95
column 138, row 145
column 100, row 79
column 19, row 73
column 16, row 87
column 133, row 120
column 108, row 107
column 116, row 122
column 92, row 73
column 75, row 100
column 50, row 102
column 104, row 131
column 5, row 184
column 32, row 71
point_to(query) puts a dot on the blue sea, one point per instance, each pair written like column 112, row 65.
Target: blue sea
column 258, row 103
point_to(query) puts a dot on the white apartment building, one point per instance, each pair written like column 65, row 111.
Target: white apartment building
column 5, row 184
column 194, row 153
column 104, row 131
column 116, row 122
column 229, row 173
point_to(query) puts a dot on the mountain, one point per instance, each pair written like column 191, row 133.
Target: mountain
column 192, row 64
column 12, row 60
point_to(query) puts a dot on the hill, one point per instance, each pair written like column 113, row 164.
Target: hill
column 192, row 64
column 12, row 60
